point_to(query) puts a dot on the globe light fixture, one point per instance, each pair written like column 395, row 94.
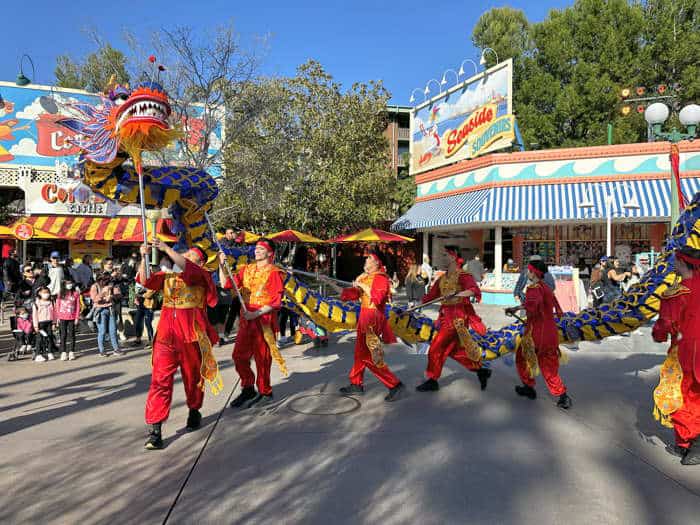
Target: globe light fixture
column 656, row 114
column 690, row 117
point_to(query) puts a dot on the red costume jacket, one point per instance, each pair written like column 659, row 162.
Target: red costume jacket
column 540, row 305
column 457, row 307
column 185, row 298
column 680, row 318
column 372, row 307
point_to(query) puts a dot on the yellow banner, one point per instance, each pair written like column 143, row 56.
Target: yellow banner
column 501, row 128
column 98, row 249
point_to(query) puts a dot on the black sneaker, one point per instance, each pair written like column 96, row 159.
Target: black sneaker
column 677, row 451
column 352, row 389
column 526, row 391
column 260, row 400
column 246, row 394
column 692, row 456
column 483, row 374
column 155, row 440
column 194, row 419
column 564, row 401
column 430, row 385
column 395, row 393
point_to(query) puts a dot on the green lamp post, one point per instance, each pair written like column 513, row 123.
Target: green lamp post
column 22, row 79
column 655, row 115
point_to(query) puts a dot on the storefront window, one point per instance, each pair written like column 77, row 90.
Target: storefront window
column 39, row 249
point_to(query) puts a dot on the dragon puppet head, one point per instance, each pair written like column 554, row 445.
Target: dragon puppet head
column 131, row 120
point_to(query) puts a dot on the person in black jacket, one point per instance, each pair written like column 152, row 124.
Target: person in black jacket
column 10, row 272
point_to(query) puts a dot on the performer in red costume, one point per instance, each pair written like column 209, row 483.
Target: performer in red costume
column 456, row 316
column 183, row 339
column 539, row 346
column 678, row 394
column 373, row 290
column 261, row 286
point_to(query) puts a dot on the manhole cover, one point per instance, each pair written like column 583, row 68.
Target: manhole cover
column 323, row 405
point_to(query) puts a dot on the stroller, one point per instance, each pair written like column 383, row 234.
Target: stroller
column 307, row 331
column 23, row 342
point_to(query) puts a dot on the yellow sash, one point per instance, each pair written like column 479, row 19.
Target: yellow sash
column 527, row 346
column 375, row 347
column 210, row 368
column 269, row 337
column 466, row 340
column 668, row 396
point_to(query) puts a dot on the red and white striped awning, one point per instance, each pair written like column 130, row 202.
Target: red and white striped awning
column 119, row 229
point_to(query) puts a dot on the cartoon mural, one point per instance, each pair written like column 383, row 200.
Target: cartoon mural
column 30, row 135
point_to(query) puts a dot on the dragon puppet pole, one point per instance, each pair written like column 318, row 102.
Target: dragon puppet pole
column 428, row 303
column 317, row 276
column 139, row 170
column 228, row 269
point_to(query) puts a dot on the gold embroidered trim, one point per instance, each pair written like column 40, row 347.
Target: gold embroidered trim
column 177, row 294
column 668, row 396
column 375, row 347
column 466, row 341
column 210, row 368
column 527, row 346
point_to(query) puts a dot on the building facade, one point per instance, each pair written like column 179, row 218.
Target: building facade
column 555, row 203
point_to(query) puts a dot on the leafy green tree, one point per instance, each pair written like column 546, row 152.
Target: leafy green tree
column 316, row 159
column 506, row 31
column 95, row 72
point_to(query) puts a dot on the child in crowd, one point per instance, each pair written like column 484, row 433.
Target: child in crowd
column 68, row 314
column 24, row 323
column 43, row 319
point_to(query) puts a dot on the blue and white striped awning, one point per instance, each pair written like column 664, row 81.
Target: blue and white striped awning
column 447, row 211
column 548, row 202
column 561, row 202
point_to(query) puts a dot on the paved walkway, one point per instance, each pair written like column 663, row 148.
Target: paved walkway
column 72, row 437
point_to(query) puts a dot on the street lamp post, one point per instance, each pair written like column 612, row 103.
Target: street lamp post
column 655, row 115
column 482, row 60
column 631, row 204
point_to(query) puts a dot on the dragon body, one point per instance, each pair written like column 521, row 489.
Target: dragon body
column 113, row 136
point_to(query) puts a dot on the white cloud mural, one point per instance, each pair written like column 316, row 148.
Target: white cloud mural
column 24, row 148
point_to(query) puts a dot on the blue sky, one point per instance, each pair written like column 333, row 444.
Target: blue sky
column 403, row 43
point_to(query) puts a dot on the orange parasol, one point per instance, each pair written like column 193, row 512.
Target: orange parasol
column 372, row 235
column 294, row 236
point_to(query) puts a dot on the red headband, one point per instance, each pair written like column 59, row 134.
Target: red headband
column 456, row 257
column 534, row 270
column 268, row 247
column 199, row 252
column 687, row 258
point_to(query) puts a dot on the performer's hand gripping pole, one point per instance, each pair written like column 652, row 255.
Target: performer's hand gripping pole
column 228, row 269
column 511, row 313
column 428, row 303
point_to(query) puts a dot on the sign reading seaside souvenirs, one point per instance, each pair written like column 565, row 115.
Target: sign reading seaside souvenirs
column 466, row 121
column 30, row 135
